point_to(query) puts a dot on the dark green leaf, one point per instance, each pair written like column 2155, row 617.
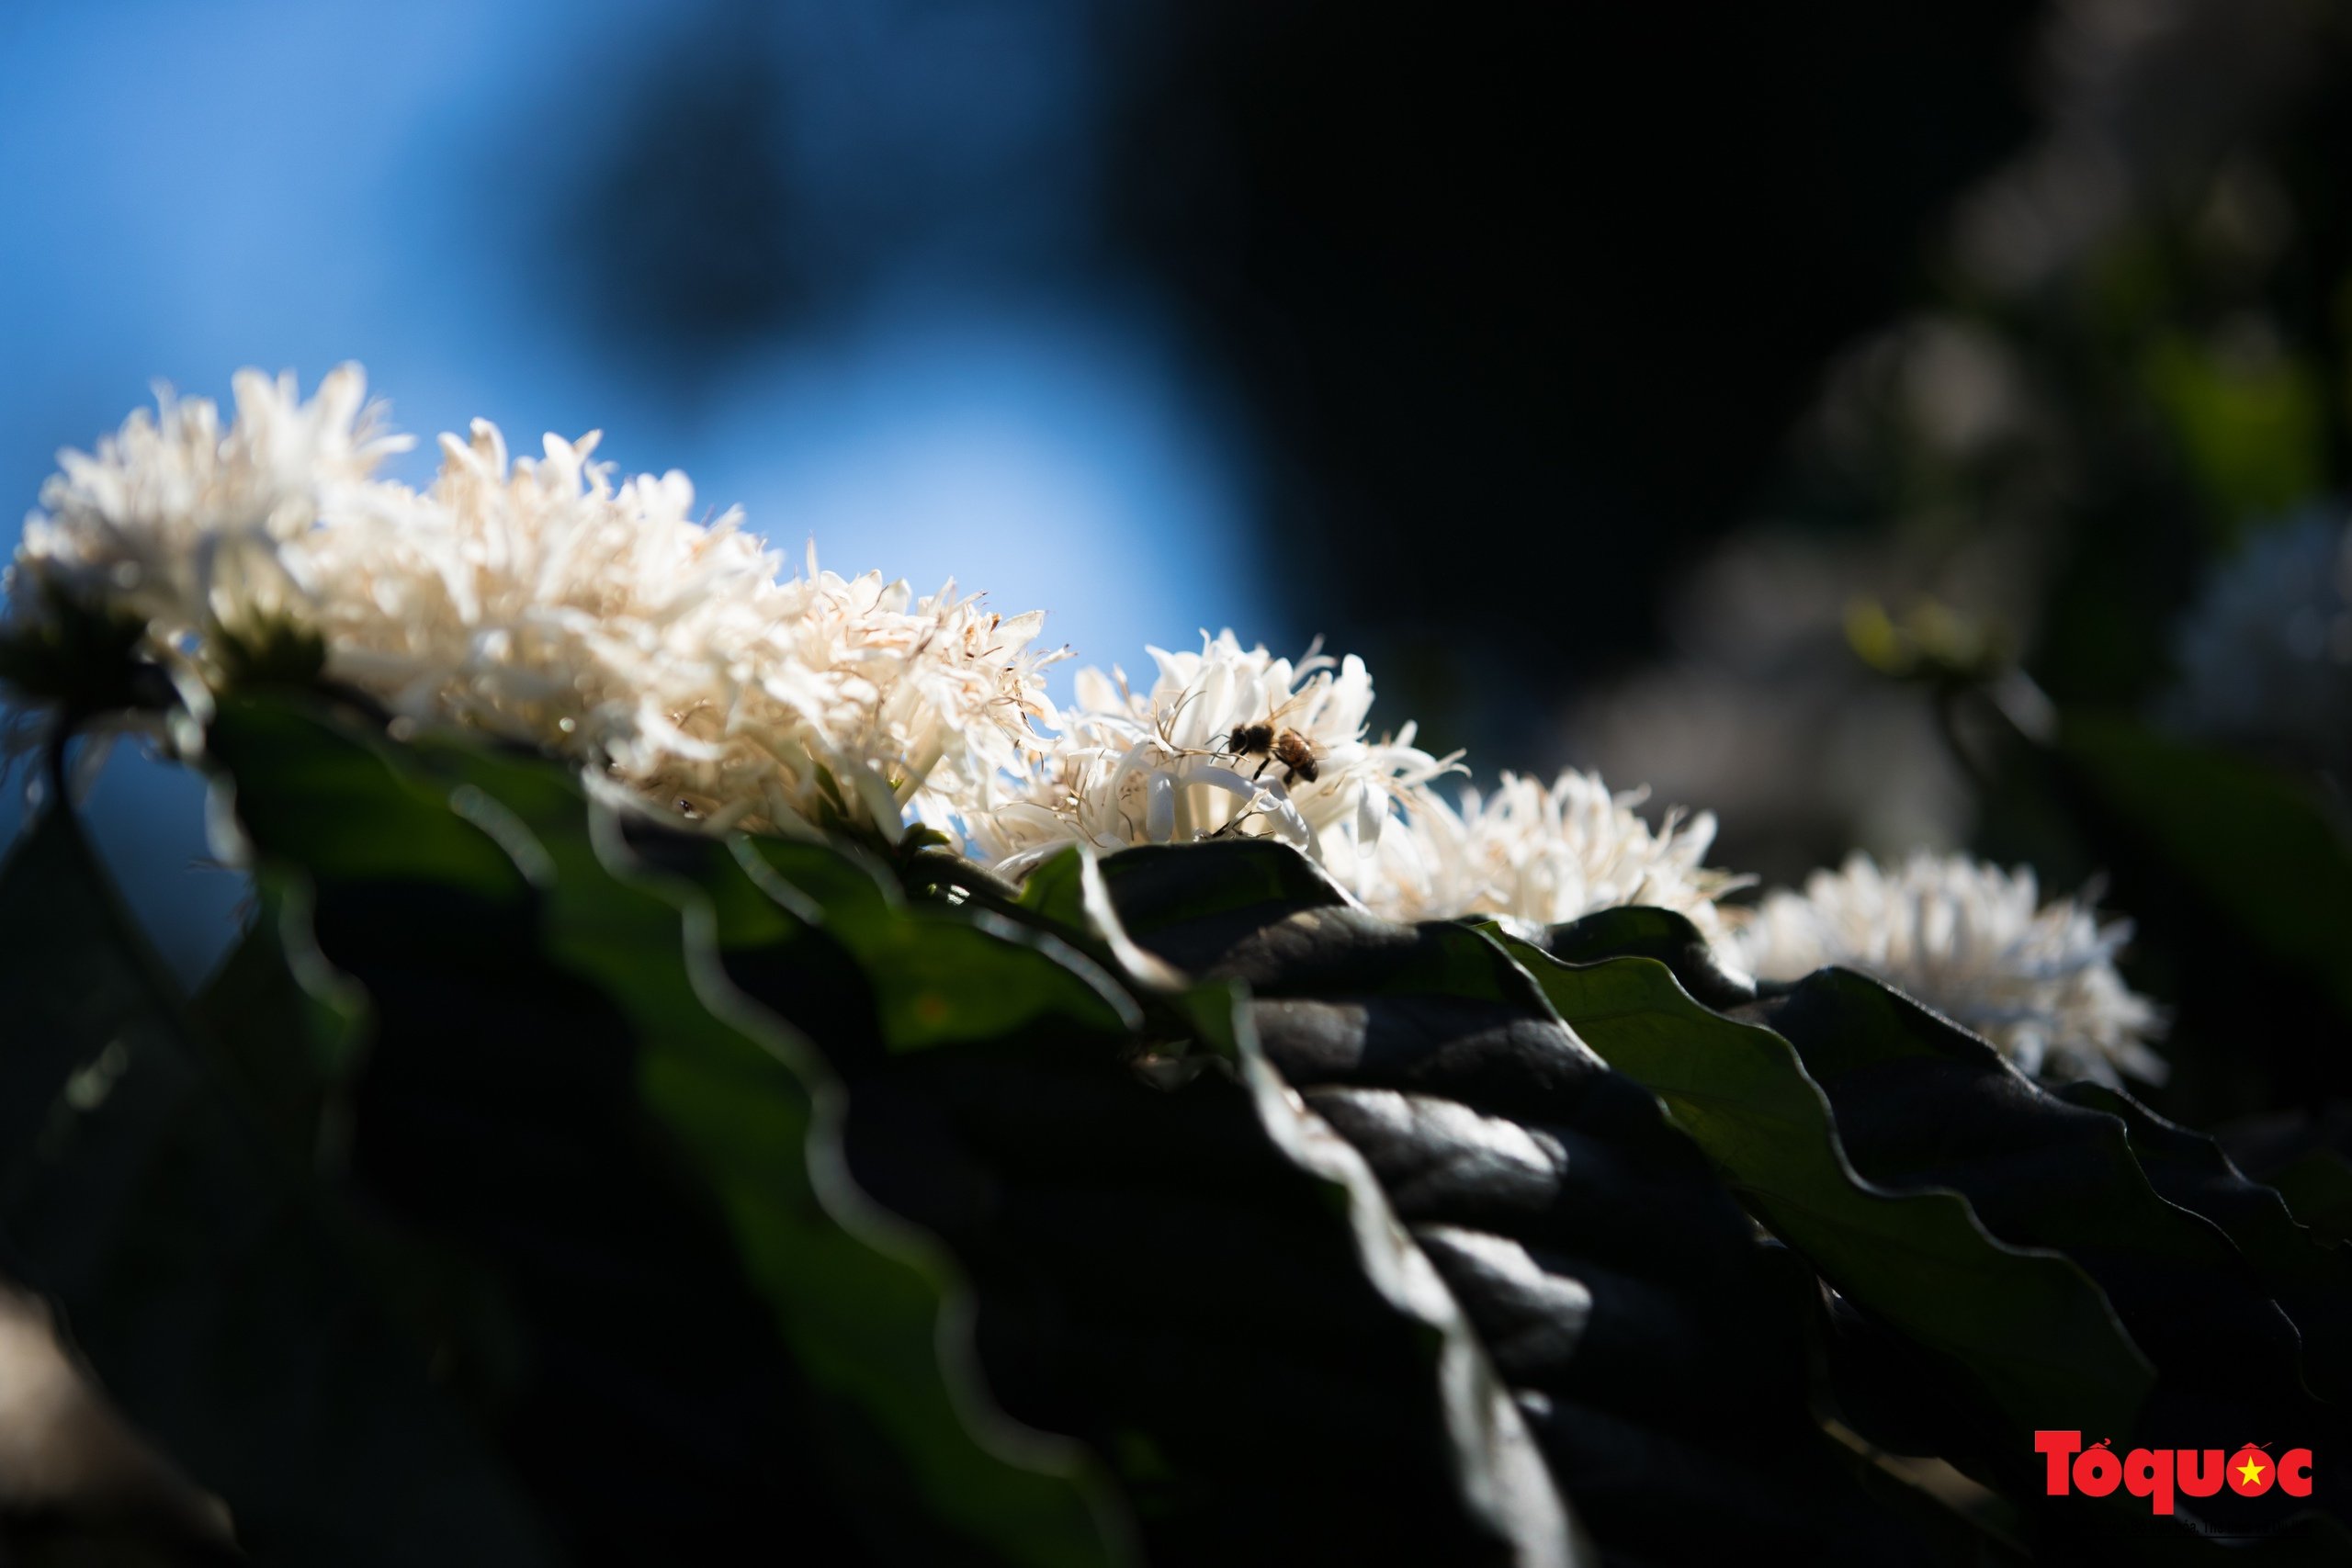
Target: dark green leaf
column 1192, row 1280
column 565, row 1088
column 2258, row 841
column 1659, row 934
column 2031, row 1328
column 1657, row 1349
column 218, row 1305
column 1165, row 884
column 1067, row 890
column 78, row 658
column 286, row 1029
column 956, row 976
column 1920, row 1103
column 2312, row 1280
column 2317, row 1186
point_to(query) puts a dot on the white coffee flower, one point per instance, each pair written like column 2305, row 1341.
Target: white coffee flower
column 1539, row 856
column 543, row 601
column 1169, row 765
column 1975, row 943
column 935, row 697
column 187, row 526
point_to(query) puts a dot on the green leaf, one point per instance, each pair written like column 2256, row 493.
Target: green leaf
column 2032, row 1328
column 217, row 1300
column 1919, row 1103
column 2317, row 1185
column 1067, row 890
column 2256, row 839
column 78, row 658
column 956, row 975
column 1159, row 886
column 1656, row 1350
column 1212, row 1296
column 2039, row 1171
column 1208, row 1325
column 679, row 1242
column 2313, row 1281
column 1162, row 1274
column 287, row 1030
column 1659, row 934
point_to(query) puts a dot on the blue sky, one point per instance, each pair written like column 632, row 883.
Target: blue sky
column 192, row 189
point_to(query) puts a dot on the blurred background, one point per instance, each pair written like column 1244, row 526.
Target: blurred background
column 1731, row 398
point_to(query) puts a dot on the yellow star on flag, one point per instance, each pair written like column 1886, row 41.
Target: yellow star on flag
column 2251, row 1471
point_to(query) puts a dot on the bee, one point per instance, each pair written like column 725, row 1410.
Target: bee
column 1300, row 757
column 1251, row 740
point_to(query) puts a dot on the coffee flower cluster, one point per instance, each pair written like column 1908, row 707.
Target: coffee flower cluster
column 1975, row 944
column 1180, row 760
column 541, row 601
column 547, row 601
